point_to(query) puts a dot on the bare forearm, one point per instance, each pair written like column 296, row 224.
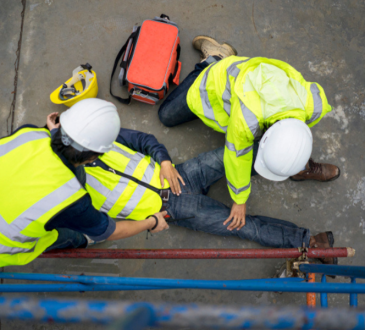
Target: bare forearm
column 126, row 229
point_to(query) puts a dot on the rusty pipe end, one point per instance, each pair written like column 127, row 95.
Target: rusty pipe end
column 350, row 252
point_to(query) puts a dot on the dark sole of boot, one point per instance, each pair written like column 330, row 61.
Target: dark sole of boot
column 333, row 179
column 331, row 239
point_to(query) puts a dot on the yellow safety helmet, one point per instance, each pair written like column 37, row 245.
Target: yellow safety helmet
column 82, row 85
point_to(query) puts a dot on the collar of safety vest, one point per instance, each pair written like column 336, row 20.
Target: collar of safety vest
column 67, row 163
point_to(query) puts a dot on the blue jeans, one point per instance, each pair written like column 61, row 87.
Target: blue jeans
column 174, row 110
column 208, row 214
column 68, row 239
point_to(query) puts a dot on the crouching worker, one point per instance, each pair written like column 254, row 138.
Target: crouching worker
column 42, row 204
column 136, row 179
column 249, row 99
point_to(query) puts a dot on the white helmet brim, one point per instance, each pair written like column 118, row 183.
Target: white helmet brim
column 262, row 170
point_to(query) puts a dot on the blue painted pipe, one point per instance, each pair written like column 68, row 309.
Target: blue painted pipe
column 335, row 270
column 137, row 319
column 353, row 296
column 324, row 298
column 129, row 280
column 177, row 316
column 156, row 284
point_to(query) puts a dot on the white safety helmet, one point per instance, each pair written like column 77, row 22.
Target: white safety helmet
column 284, row 150
column 90, row 125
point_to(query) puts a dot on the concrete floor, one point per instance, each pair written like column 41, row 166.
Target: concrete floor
column 323, row 40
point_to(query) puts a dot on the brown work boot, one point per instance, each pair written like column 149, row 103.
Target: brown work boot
column 323, row 241
column 210, row 47
column 317, row 171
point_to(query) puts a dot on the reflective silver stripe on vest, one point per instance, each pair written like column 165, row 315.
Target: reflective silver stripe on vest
column 120, row 187
column 22, row 139
column 233, row 71
column 239, row 190
column 137, row 156
column 241, row 152
column 12, row 230
column 14, row 250
column 138, row 193
column 207, row 107
column 317, row 102
column 251, row 120
column 97, row 185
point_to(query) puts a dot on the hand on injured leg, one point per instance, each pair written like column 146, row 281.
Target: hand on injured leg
column 238, row 217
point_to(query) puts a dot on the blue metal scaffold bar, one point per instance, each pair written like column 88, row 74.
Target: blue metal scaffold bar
column 73, row 283
column 140, row 315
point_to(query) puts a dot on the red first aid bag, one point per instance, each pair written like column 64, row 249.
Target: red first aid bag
column 150, row 61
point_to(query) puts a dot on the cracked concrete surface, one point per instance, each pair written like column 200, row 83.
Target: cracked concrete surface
column 323, row 40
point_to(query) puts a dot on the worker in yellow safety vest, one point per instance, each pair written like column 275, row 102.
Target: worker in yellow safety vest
column 252, row 99
column 42, row 204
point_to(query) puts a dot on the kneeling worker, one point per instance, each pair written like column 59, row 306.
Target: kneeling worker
column 136, row 179
column 249, row 99
column 42, row 204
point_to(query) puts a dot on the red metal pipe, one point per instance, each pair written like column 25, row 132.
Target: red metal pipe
column 196, row 253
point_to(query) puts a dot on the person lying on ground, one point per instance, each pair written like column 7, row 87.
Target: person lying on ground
column 136, row 180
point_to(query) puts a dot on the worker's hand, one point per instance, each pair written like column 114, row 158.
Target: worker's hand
column 51, row 121
column 162, row 224
column 238, row 217
column 170, row 173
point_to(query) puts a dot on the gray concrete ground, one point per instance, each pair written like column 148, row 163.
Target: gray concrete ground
column 323, row 40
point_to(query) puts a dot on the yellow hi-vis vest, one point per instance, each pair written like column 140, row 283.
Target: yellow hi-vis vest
column 119, row 196
column 35, row 186
column 243, row 97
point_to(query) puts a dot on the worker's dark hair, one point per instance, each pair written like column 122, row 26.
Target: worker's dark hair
column 71, row 154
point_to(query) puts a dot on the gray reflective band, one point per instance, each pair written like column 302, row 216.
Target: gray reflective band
column 113, row 196
column 317, row 103
column 239, row 190
column 97, row 185
column 14, row 250
column 233, row 71
column 207, row 108
column 122, row 184
column 251, row 120
column 132, row 202
column 12, row 230
column 22, row 139
column 241, row 152
column 138, row 193
column 137, row 156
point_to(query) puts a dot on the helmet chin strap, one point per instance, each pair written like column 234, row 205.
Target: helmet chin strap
column 67, row 141
column 68, row 91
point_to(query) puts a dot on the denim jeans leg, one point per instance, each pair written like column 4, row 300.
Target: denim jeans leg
column 201, row 172
column 174, row 110
column 68, row 239
column 209, row 215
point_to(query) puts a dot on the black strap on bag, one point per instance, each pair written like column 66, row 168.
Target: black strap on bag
column 123, row 64
column 105, row 167
column 173, row 75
